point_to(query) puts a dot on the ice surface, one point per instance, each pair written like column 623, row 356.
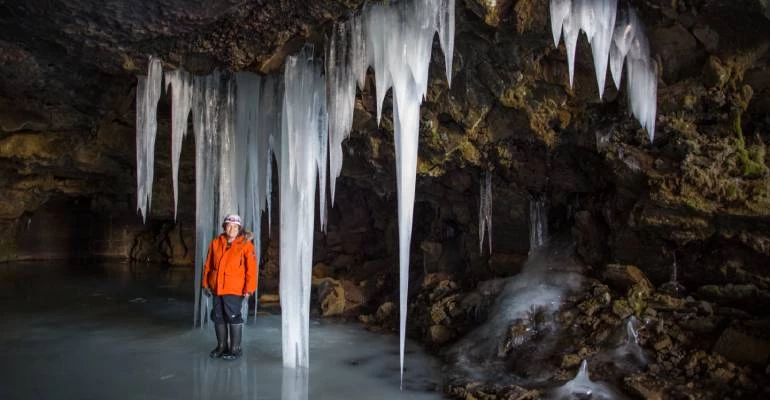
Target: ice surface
column 303, row 131
column 616, row 35
column 148, row 91
column 78, row 336
column 179, row 83
column 485, row 211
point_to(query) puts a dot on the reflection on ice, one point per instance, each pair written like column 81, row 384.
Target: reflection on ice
column 94, row 342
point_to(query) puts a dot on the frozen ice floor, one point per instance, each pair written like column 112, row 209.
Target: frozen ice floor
column 110, row 331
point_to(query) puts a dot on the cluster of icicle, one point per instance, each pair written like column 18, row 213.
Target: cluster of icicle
column 234, row 119
column 236, row 127
column 616, row 36
column 485, row 211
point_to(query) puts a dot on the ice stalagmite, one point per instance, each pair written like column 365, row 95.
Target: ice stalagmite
column 302, row 131
column 399, row 40
column 148, row 91
column 616, row 35
column 179, row 83
column 485, row 211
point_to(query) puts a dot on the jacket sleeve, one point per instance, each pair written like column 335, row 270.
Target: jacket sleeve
column 252, row 269
column 207, row 265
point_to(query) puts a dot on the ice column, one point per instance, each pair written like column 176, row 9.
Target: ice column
column 179, row 83
column 303, row 131
column 485, row 211
column 212, row 94
column 251, row 149
column 615, row 35
column 148, row 91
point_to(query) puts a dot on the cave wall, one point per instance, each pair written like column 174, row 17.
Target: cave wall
column 699, row 194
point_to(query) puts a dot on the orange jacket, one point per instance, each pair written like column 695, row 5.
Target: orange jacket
column 230, row 271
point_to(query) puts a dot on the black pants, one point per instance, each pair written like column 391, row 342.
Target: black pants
column 227, row 309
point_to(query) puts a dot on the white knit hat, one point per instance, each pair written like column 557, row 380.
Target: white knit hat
column 232, row 219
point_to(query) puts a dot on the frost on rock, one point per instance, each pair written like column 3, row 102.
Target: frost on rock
column 301, row 152
column 148, row 91
column 616, row 36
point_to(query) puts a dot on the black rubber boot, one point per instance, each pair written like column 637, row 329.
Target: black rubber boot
column 236, row 331
column 221, row 331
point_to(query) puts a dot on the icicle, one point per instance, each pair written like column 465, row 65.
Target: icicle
column 538, row 225
column 615, row 35
column 249, row 152
column 560, row 9
column 148, row 90
column 399, row 41
column 446, row 29
column 179, row 83
column 210, row 117
column 341, row 66
column 271, row 100
column 302, row 132
column 605, row 12
column 485, row 211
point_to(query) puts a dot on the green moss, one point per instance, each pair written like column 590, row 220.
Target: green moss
column 752, row 162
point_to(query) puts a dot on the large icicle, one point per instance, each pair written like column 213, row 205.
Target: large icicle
column 615, row 35
column 400, row 40
column 485, row 210
column 302, row 132
column 179, row 83
column 148, row 91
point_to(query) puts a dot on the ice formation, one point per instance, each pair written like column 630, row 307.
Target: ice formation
column 399, row 40
column 616, row 36
column 302, row 150
column 148, row 91
column 179, row 83
column 583, row 387
column 212, row 94
column 239, row 122
column 485, row 211
column 345, row 57
column 538, row 224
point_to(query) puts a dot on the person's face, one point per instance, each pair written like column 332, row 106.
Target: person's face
column 231, row 230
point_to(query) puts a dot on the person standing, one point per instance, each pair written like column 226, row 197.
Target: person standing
column 230, row 276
